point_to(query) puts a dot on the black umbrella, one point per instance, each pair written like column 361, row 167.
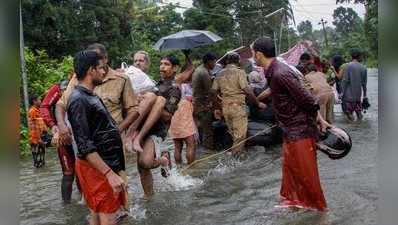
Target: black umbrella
column 187, row 39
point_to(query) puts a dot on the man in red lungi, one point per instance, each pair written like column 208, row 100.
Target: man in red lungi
column 100, row 147
column 297, row 113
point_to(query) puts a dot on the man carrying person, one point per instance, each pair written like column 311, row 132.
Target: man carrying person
column 202, row 99
column 297, row 114
column 233, row 86
column 66, row 153
column 115, row 91
column 100, row 147
column 154, row 130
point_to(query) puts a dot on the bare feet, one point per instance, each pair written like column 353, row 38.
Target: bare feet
column 165, row 164
column 137, row 144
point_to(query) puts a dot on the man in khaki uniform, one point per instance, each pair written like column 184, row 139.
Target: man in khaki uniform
column 322, row 91
column 115, row 91
column 233, row 86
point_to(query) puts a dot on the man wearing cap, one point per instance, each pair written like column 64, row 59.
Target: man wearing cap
column 233, row 86
column 65, row 152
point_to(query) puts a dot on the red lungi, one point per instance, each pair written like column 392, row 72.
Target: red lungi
column 300, row 179
column 97, row 192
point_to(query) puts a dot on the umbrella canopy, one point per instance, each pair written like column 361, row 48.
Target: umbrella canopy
column 186, row 39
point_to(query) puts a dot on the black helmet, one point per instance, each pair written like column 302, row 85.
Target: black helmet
column 335, row 142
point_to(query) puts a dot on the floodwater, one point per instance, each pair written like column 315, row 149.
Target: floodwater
column 227, row 191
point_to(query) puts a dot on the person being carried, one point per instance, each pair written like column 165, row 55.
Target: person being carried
column 233, row 86
column 100, row 147
column 37, row 128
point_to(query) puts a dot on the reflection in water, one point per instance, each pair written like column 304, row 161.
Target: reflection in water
column 224, row 190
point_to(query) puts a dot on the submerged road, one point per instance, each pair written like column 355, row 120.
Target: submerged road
column 226, row 191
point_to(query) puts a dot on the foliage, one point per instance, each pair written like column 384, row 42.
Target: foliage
column 43, row 71
column 305, row 30
column 67, row 26
column 370, row 23
column 346, row 21
column 24, row 146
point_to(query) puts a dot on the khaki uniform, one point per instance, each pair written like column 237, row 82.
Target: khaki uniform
column 230, row 82
column 115, row 91
column 324, row 94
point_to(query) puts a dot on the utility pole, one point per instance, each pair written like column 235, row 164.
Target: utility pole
column 323, row 22
column 23, row 66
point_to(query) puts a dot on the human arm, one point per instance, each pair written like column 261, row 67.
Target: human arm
column 364, row 81
column 187, row 73
column 297, row 91
column 130, row 106
column 265, row 94
column 322, row 123
column 114, row 180
column 51, row 98
column 247, row 89
column 60, row 111
column 64, row 134
column 171, row 105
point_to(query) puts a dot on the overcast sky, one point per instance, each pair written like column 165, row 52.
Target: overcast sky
column 312, row 10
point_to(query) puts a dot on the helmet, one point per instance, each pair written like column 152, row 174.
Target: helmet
column 335, row 142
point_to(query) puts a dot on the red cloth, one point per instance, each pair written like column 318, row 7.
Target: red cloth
column 52, row 96
column 97, row 192
column 300, row 179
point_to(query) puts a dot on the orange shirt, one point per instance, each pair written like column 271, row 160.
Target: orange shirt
column 36, row 125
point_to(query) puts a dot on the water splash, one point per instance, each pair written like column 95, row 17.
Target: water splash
column 137, row 212
column 224, row 166
column 178, row 182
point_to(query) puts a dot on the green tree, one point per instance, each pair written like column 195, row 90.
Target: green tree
column 305, row 30
column 346, row 21
column 370, row 23
column 67, row 26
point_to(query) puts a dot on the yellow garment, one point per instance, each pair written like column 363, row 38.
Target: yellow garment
column 236, row 119
column 230, row 82
column 115, row 91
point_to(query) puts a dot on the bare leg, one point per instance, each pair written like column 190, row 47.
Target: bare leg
column 178, row 143
column 146, row 161
column 191, row 149
column 144, row 108
column 107, row 218
column 94, row 218
column 153, row 117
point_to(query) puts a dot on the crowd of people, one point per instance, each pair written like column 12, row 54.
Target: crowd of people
column 101, row 114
